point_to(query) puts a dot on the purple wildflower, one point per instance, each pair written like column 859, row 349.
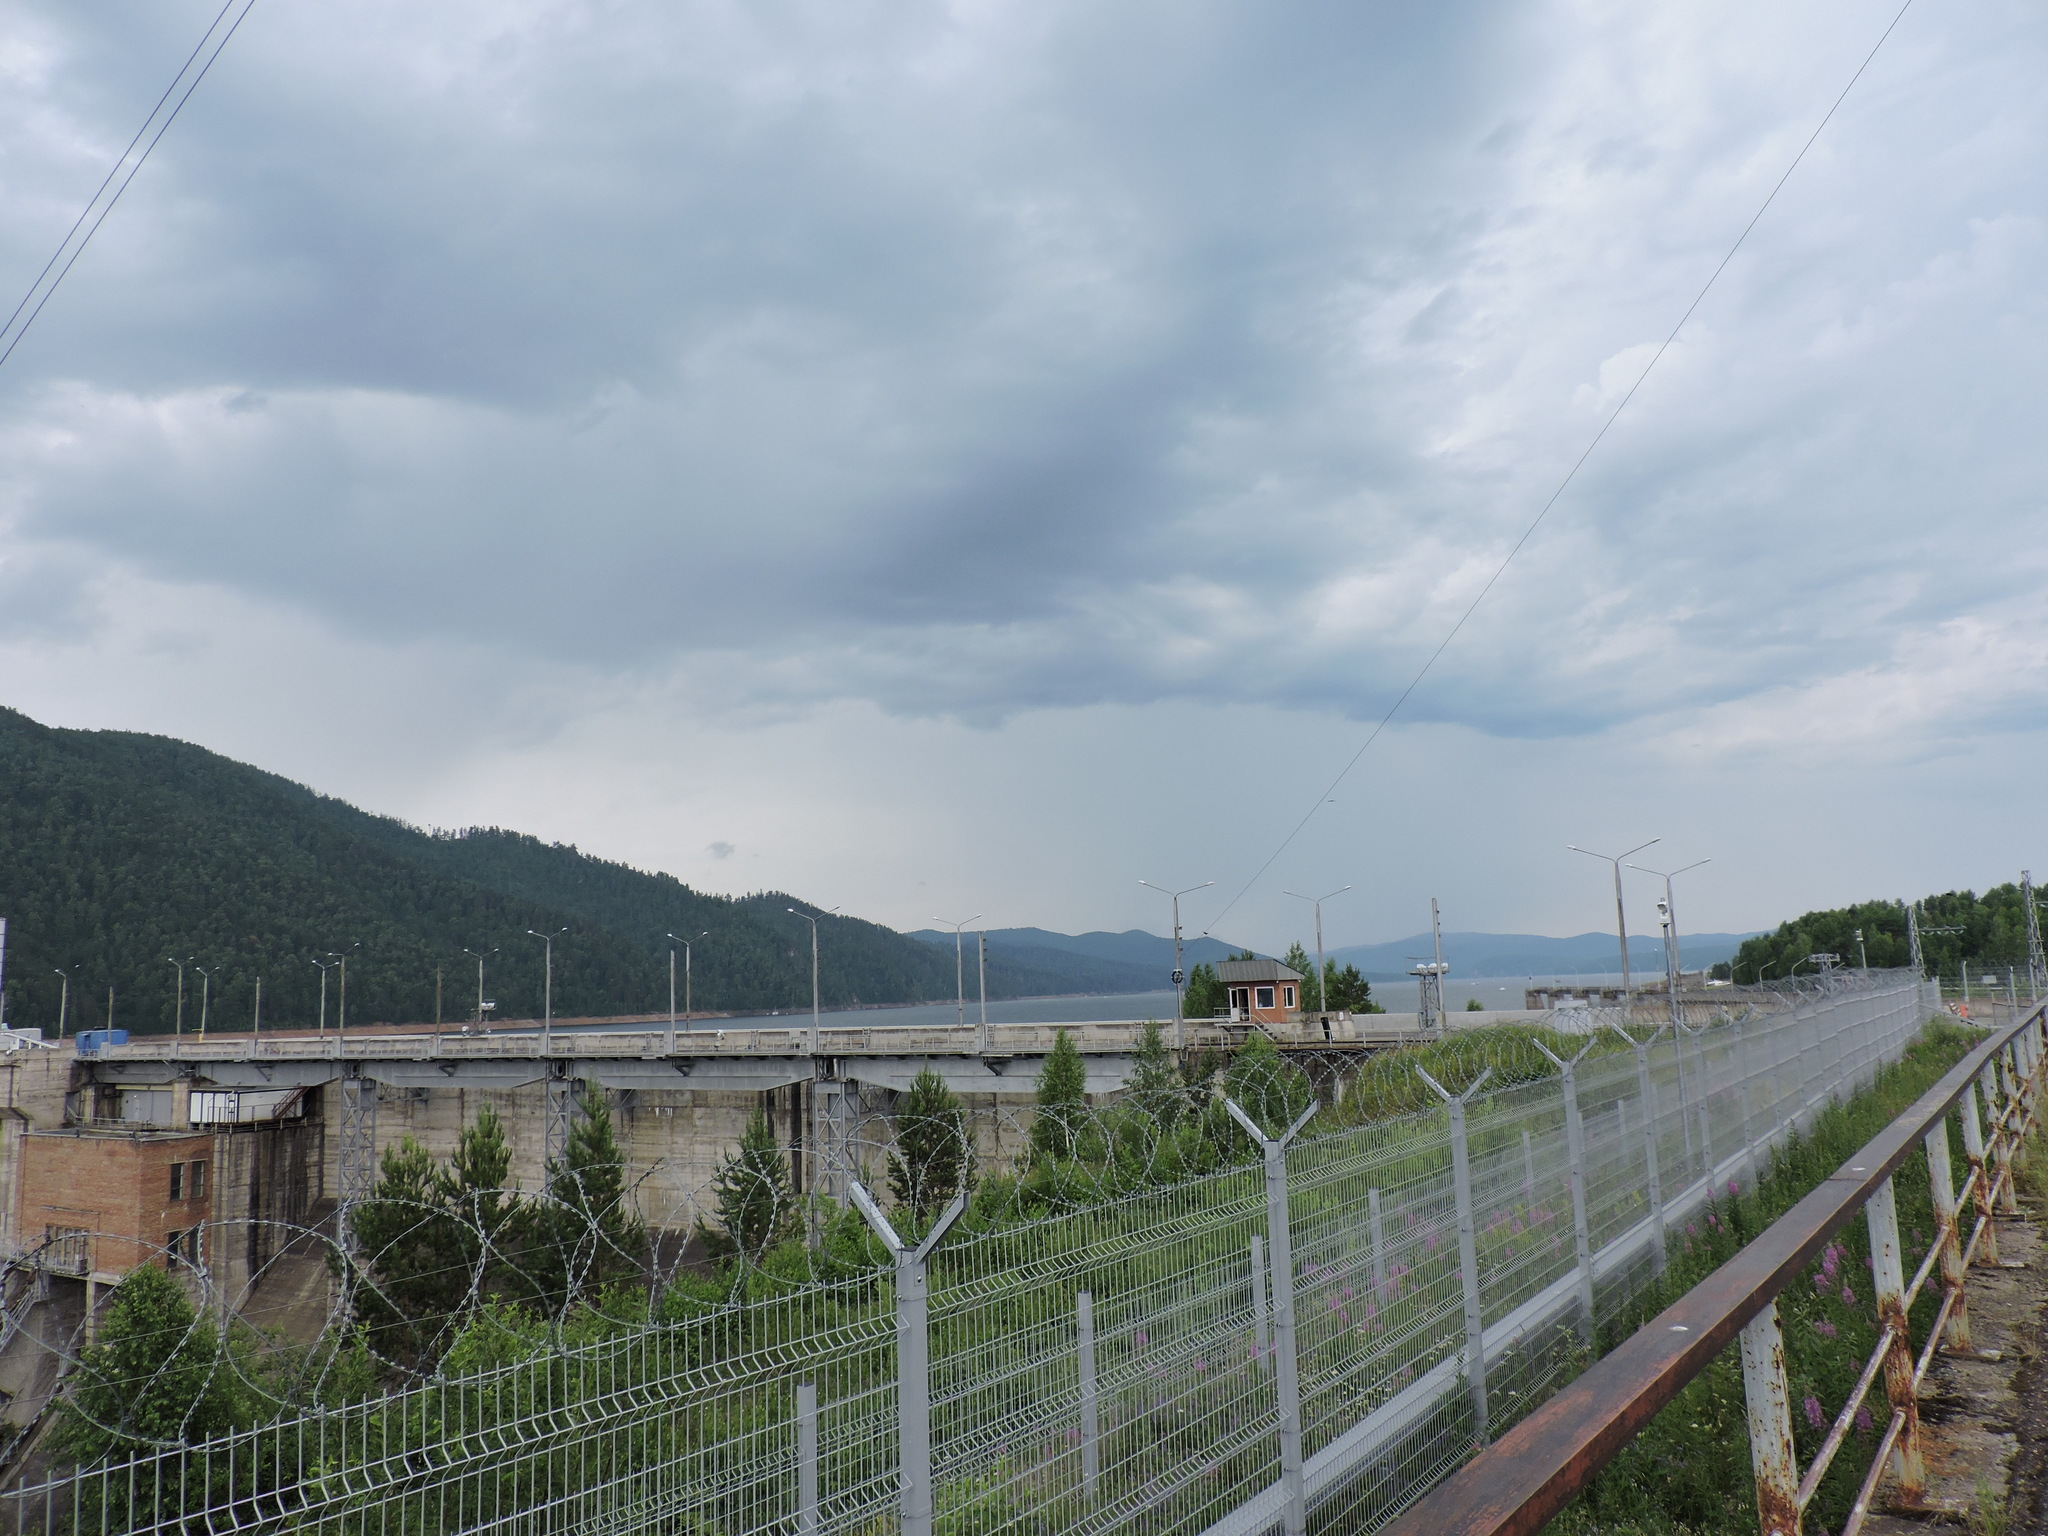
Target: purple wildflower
column 1863, row 1421
column 1848, row 1297
column 1824, row 1328
column 1732, row 1189
column 1814, row 1416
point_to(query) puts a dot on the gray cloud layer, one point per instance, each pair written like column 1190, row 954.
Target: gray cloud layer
column 978, row 358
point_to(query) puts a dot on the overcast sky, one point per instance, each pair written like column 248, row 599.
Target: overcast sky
column 943, row 459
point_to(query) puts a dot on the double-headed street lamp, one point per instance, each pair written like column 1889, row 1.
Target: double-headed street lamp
column 813, row 921
column 1620, row 917
column 340, row 959
column 205, row 996
column 1670, row 905
column 959, row 963
column 1322, row 987
column 323, row 967
column 674, row 940
column 547, row 1007
column 1180, row 975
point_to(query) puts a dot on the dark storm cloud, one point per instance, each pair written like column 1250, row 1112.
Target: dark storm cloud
column 973, row 359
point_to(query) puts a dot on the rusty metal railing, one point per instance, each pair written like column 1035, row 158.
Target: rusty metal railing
column 1527, row 1476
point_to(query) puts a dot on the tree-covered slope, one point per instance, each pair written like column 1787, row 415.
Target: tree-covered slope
column 118, row 850
column 1991, row 932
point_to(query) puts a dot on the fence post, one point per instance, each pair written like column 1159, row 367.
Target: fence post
column 1468, row 1247
column 1648, row 1092
column 1953, row 1278
column 1378, row 1231
column 1881, row 1216
column 1575, row 1152
column 1684, row 1104
column 1769, row 1402
column 1703, row 1086
column 1261, row 1318
column 807, row 1458
column 1998, row 1108
column 913, row 1355
column 1980, row 1173
column 1091, row 1426
column 1528, row 1168
column 1286, row 1364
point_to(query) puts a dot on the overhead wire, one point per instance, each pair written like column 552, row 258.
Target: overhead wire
column 1570, row 475
column 73, row 245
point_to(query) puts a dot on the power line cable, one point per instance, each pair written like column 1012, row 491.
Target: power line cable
column 1570, row 475
column 74, row 243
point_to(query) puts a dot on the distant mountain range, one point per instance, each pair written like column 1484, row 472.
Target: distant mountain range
column 120, row 851
column 1131, row 961
column 1535, row 954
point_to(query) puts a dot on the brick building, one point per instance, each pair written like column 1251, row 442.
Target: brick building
column 1260, row 991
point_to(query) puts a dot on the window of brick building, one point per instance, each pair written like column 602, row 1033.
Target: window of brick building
column 177, row 1188
column 197, row 1179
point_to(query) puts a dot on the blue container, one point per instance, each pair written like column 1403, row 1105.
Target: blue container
column 90, row 1040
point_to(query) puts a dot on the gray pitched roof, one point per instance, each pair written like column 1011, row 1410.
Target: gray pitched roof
column 1238, row 972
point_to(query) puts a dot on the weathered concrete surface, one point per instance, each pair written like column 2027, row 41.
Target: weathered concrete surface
column 1983, row 1421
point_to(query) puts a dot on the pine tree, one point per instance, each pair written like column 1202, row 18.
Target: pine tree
column 408, row 1276
column 1203, row 995
column 752, row 1196
column 1062, row 1102
column 1156, row 1087
column 487, row 1214
column 1296, row 960
column 589, row 1234
column 934, row 1157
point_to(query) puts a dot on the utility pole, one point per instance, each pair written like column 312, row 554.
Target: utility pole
column 673, row 941
column 1322, row 966
column 2037, row 962
column 1620, row 915
column 63, row 999
column 437, row 999
column 1180, row 975
column 1436, row 928
column 205, row 996
column 256, row 1022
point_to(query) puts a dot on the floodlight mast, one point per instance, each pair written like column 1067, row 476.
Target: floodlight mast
column 1180, row 975
column 1322, row 984
column 1620, row 916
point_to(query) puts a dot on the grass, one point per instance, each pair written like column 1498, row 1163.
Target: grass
column 1688, row 1472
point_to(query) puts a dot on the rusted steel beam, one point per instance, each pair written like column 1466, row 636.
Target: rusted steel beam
column 1536, row 1468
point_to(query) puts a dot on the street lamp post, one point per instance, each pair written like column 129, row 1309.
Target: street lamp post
column 340, row 959
column 1620, row 917
column 178, row 1026
column 323, row 967
column 1180, row 975
column 686, row 943
column 813, row 921
column 1322, row 984
column 959, row 965
column 1671, row 965
column 981, row 971
column 479, row 956
column 547, row 1006
column 63, row 999
column 205, row 996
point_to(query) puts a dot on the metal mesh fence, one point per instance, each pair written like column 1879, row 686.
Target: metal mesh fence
column 1112, row 1364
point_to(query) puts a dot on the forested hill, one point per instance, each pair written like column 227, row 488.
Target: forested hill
column 1990, row 932
column 118, row 850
